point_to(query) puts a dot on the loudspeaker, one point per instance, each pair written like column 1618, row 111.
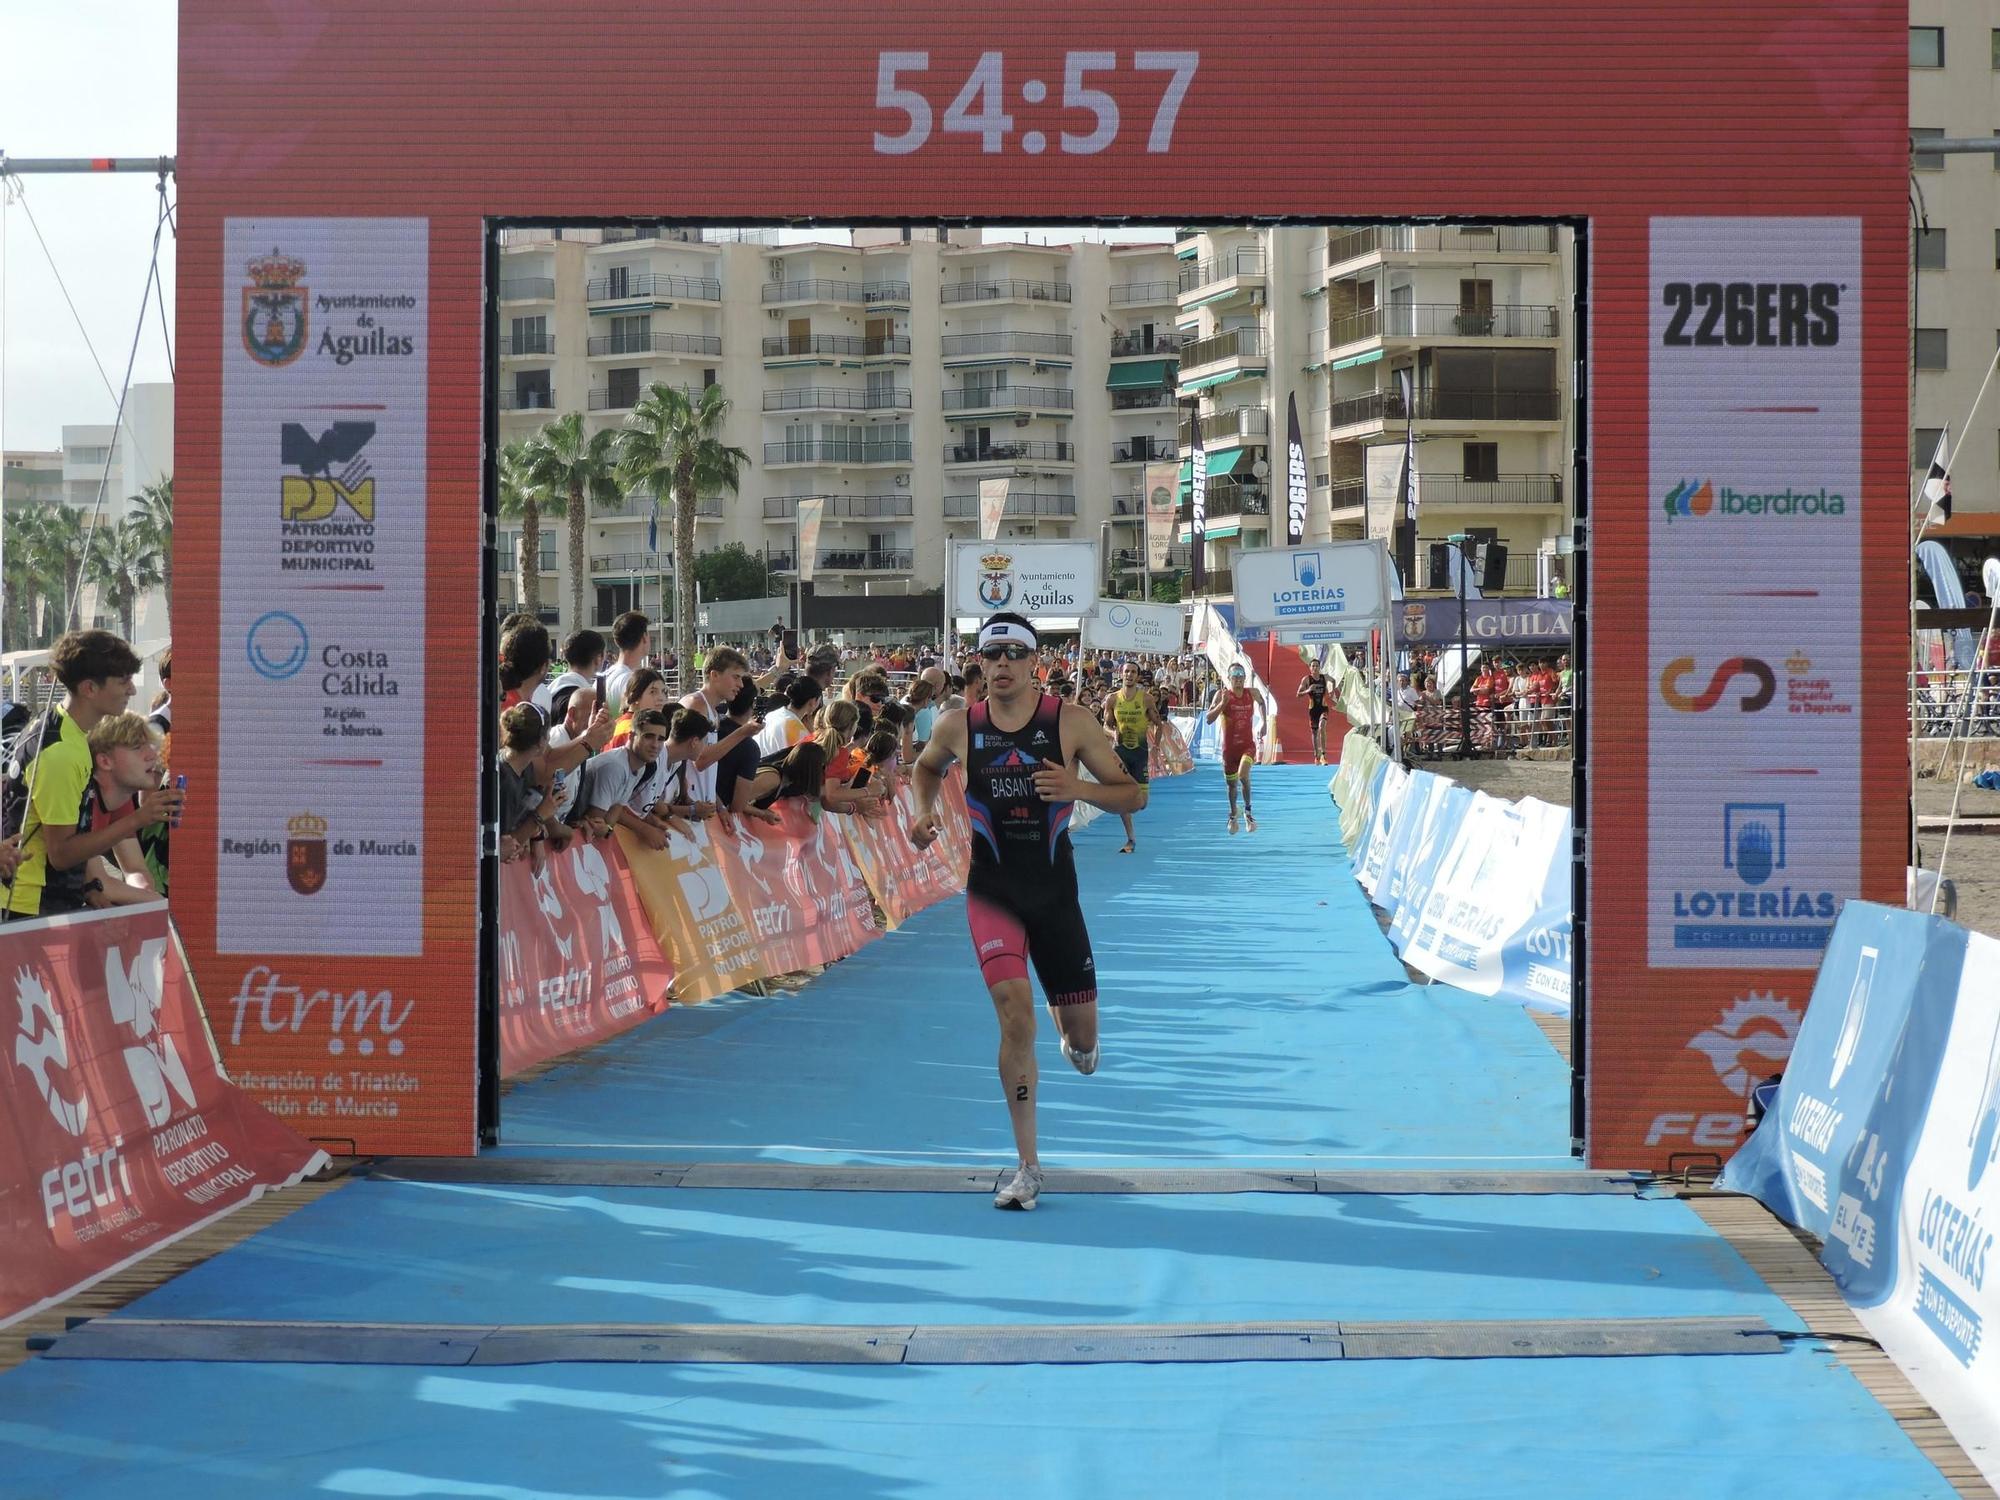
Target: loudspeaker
column 1439, row 576
column 1493, row 568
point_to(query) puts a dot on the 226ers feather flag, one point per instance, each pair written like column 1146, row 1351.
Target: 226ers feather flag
column 1296, row 491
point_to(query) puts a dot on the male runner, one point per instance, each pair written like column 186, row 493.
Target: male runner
column 1239, row 709
column 1132, row 714
column 1021, row 898
column 1315, row 687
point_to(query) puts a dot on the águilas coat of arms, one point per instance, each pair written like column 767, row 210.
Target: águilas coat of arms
column 305, row 853
column 996, row 583
column 274, row 309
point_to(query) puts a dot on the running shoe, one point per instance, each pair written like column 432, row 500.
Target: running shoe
column 1084, row 1062
column 1249, row 822
column 1020, row 1190
column 1232, row 822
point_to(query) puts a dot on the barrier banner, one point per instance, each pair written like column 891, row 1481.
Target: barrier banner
column 701, row 928
column 1169, row 755
column 1427, row 852
column 578, row 960
column 1885, row 1143
column 805, row 895
column 904, row 879
column 1424, row 792
column 1371, row 860
column 118, row 1131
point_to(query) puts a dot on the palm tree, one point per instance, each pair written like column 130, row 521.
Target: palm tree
column 58, row 552
column 124, row 564
column 571, row 471
column 519, row 499
column 154, row 507
column 671, row 445
column 23, row 581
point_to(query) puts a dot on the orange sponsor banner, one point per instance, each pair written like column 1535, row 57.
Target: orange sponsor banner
column 578, row 960
column 800, row 886
column 705, row 932
column 904, row 878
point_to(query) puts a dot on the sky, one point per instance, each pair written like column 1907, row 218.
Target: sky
column 99, row 229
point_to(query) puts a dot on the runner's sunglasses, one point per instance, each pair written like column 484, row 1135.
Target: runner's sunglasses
column 1012, row 651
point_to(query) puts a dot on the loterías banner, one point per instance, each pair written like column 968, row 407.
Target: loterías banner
column 119, row 1132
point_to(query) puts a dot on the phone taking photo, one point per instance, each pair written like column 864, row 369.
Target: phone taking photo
column 860, row 778
column 791, row 644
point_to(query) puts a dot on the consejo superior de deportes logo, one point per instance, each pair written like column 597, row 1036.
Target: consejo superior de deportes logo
column 277, row 645
column 1759, row 687
column 1694, row 498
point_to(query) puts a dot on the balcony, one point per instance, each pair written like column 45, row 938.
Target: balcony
column 1200, row 278
column 1009, row 453
column 1503, row 489
column 1236, row 343
column 528, row 289
column 1006, row 398
column 842, row 507
column 1004, row 291
column 633, row 562
column 1142, row 398
column 1143, row 294
column 844, row 560
column 1022, row 345
column 813, row 289
column 831, row 398
column 1139, row 451
column 835, row 451
column 1142, row 345
column 1022, row 505
column 1447, row 406
column 1428, row 320
column 1221, row 428
column 645, row 286
column 528, row 400
column 1226, row 500
column 701, row 345
column 834, row 346
column 1347, row 495
column 639, row 506
column 1220, row 581
column 1445, row 239
column 530, row 346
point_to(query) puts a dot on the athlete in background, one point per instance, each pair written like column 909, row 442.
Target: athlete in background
column 1131, row 714
column 1239, row 709
column 1021, row 897
column 1315, row 687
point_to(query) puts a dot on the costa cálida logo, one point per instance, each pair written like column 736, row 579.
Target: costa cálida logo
column 305, row 853
column 274, row 309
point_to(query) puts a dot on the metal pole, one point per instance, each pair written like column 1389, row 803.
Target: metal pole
column 1464, row 665
column 47, row 166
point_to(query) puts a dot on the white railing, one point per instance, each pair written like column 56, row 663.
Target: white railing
column 1516, row 729
column 1961, row 703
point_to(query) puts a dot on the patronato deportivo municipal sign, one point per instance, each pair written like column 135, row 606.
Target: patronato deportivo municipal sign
column 1330, row 584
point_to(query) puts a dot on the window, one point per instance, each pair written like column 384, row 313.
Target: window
column 1996, row 48
column 623, row 386
column 1482, row 462
column 1923, row 443
column 1930, row 249
column 613, row 599
column 1932, row 347
column 1926, row 46
column 1926, row 161
column 619, row 278
column 529, row 335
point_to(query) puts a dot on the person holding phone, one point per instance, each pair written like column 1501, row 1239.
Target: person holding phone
column 1021, row 898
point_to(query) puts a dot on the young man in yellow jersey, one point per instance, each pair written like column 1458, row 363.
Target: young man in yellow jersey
column 1130, row 714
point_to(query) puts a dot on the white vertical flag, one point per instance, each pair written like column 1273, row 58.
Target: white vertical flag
column 992, row 507
column 1937, row 485
column 811, row 512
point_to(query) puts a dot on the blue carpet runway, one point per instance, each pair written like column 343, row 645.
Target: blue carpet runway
column 1253, row 1017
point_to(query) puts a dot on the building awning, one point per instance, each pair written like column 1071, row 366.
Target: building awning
column 1224, row 378
column 1357, row 359
column 1227, row 465
column 1141, row 372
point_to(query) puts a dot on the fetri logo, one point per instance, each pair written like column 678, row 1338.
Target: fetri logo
column 1690, row 498
column 1762, row 687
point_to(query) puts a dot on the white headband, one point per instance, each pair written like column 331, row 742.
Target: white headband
column 1001, row 632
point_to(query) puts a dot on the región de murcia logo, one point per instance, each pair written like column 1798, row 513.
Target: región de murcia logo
column 305, row 853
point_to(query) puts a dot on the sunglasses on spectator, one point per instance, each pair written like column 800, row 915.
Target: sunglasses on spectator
column 1013, row 651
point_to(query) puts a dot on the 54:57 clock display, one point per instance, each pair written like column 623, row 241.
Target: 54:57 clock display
column 980, row 106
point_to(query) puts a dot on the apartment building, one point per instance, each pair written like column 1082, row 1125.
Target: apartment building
column 1955, row 91
column 891, row 377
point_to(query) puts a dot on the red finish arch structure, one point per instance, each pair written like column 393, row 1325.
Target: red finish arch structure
column 1740, row 171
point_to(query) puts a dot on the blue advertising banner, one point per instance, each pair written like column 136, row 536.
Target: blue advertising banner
column 1885, row 1144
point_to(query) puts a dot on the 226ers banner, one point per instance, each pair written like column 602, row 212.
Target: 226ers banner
column 578, row 961
column 118, row 1132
